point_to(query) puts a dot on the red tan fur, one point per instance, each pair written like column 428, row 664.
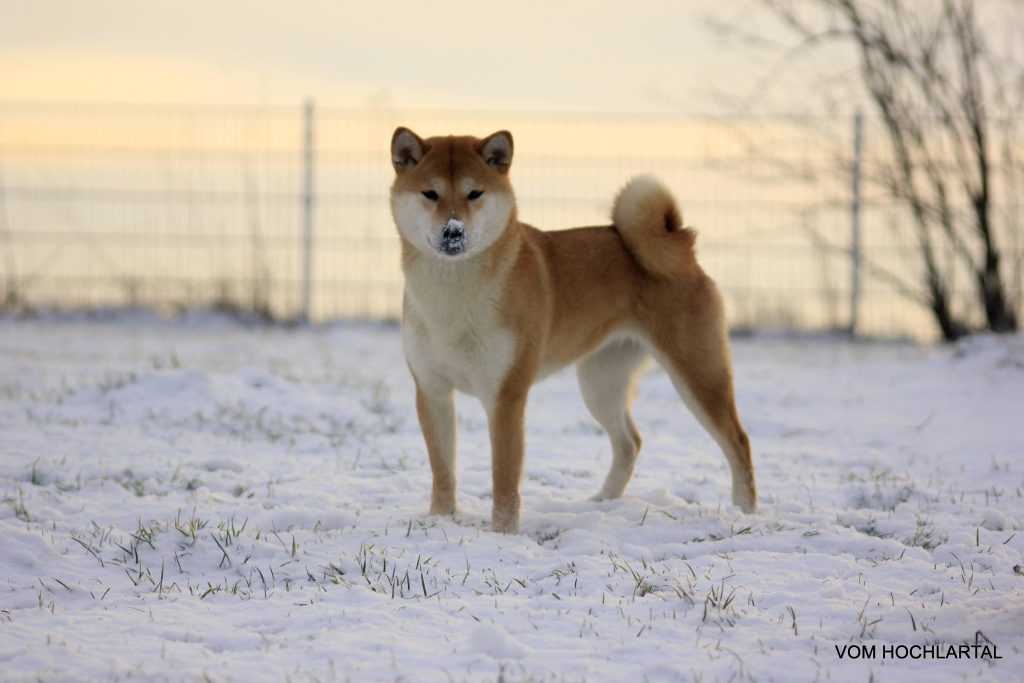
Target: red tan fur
column 491, row 305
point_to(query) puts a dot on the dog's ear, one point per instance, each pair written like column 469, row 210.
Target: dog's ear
column 496, row 150
column 406, row 149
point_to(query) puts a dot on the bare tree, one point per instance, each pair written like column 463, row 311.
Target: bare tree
column 949, row 103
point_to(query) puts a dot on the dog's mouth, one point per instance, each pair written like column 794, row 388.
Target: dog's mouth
column 453, row 239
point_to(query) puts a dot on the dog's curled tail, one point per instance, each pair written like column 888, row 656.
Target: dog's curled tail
column 651, row 225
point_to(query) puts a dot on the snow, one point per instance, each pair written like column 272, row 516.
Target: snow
column 207, row 499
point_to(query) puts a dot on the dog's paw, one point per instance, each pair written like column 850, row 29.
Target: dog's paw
column 505, row 522
column 604, row 495
column 442, row 509
column 745, row 499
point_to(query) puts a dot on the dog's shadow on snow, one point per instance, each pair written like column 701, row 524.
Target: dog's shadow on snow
column 548, row 518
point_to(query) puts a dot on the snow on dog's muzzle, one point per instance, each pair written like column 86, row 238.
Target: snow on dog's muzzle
column 453, row 238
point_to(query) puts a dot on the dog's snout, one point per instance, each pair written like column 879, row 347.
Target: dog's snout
column 453, row 237
column 453, row 231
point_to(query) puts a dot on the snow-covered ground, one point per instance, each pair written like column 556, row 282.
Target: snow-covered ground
column 202, row 500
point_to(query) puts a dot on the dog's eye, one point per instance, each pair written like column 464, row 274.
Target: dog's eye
column 475, row 194
column 429, row 194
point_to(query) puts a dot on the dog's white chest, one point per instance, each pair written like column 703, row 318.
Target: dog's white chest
column 453, row 339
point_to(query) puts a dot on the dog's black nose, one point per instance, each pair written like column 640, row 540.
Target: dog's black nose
column 453, row 233
column 453, row 238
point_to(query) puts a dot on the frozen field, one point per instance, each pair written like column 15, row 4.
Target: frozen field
column 202, row 500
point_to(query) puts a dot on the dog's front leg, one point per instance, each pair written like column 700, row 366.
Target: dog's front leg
column 436, row 411
column 507, row 453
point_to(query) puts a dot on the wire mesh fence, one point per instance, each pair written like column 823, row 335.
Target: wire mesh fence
column 178, row 207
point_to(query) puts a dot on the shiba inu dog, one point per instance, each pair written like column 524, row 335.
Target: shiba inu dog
column 491, row 305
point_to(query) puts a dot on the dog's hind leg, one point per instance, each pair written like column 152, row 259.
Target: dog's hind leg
column 608, row 382
column 692, row 344
column 698, row 365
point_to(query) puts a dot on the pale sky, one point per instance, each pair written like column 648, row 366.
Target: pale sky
column 647, row 55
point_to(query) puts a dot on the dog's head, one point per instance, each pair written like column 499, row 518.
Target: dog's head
column 451, row 197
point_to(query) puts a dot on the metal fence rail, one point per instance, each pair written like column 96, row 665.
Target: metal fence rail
column 283, row 211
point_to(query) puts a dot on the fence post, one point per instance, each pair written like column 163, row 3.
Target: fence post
column 855, row 201
column 307, row 212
